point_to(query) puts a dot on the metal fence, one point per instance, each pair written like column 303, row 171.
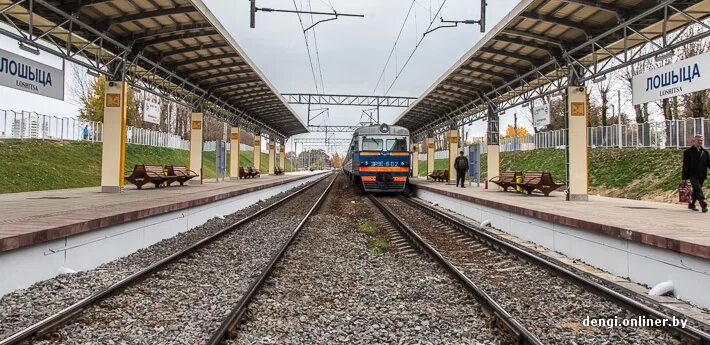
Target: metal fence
column 32, row 125
column 667, row 134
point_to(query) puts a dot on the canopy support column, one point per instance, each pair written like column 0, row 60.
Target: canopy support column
column 492, row 142
column 430, row 145
column 196, row 126
column 234, row 150
column 113, row 151
column 415, row 160
column 577, row 162
column 282, row 156
column 257, row 151
column 272, row 156
column 453, row 140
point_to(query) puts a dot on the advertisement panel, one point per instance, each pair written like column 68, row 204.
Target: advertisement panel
column 28, row 75
column 680, row 78
column 541, row 115
column 151, row 108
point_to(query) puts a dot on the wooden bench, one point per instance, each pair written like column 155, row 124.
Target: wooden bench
column 254, row 172
column 144, row 173
column 541, row 181
column 181, row 174
column 440, row 175
column 278, row 171
column 244, row 173
column 507, row 179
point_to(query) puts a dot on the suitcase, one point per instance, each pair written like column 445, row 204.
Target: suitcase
column 685, row 193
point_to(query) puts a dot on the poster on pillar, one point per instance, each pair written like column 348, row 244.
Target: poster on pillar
column 24, row 74
column 541, row 115
column 680, row 78
column 151, row 108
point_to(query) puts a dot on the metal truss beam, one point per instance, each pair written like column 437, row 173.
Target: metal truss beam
column 230, row 83
column 618, row 12
column 554, row 20
column 324, row 141
column 199, row 70
column 192, row 49
column 333, row 129
column 83, row 43
column 550, row 50
column 356, row 100
column 152, row 40
column 592, row 57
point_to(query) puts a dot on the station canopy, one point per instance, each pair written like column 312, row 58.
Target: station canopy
column 176, row 48
column 532, row 51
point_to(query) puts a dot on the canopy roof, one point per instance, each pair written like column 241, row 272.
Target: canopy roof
column 536, row 45
column 170, row 44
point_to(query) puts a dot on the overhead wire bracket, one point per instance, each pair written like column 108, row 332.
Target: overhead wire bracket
column 455, row 23
column 254, row 9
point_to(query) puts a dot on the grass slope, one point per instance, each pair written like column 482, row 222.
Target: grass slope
column 30, row 165
column 643, row 173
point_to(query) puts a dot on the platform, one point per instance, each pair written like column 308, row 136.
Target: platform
column 35, row 217
column 643, row 241
column 662, row 225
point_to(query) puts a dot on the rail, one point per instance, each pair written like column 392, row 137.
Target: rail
column 691, row 334
column 521, row 334
column 55, row 320
column 230, row 324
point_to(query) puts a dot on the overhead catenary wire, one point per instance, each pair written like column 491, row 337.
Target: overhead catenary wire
column 394, row 46
column 415, row 48
column 315, row 44
column 308, row 48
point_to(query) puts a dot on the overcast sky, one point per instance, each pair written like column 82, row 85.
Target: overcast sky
column 352, row 51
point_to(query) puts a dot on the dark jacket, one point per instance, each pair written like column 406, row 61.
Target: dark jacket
column 461, row 163
column 695, row 163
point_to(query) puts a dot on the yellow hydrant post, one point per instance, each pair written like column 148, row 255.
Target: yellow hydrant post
column 519, row 179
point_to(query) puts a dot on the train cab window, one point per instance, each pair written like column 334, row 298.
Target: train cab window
column 370, row 144
column 397, row 145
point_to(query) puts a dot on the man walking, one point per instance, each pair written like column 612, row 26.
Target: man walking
column 461, row 166
column 695, row 168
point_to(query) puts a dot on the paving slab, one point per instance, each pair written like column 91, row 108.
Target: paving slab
column 34, row 217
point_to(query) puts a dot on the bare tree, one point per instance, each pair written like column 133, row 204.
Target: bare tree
column 80, row 88
column 695, row 103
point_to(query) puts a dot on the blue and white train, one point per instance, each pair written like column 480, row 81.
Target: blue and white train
column 379, row 158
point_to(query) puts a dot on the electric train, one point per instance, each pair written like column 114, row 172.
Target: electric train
column 379, row 158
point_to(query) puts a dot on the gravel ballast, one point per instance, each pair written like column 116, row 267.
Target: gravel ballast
column 329, row 288
column 548, row 305
column 24, row 307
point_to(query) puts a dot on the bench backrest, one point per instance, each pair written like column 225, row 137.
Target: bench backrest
column 176, row 170
column 533, row 177
column 509, row 176
column 547, row 179
column 154, row 169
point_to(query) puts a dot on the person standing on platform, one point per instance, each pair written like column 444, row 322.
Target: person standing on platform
column 461, row 166
column 695, row 169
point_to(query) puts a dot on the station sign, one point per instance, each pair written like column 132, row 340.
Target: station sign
column 151, row 108
column 21, row 73
column 541, row 115
column 680, row 78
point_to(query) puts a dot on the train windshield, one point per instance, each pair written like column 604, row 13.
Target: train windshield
column 397, row 145
column 370, row 144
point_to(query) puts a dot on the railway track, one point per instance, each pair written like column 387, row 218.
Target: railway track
column 229, row 325
column 535, row 299
column 149, row 280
